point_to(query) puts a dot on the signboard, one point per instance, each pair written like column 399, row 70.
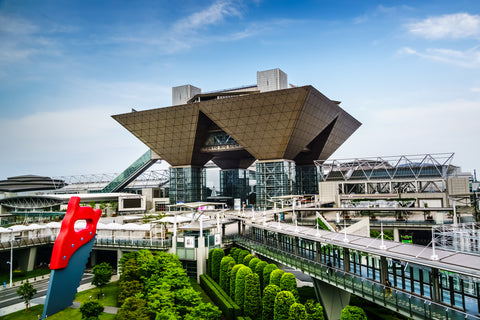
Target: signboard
column 218, row 239
column 236, row 204
column 189, row 242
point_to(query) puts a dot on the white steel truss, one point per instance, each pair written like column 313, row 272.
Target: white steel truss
column 387, row 168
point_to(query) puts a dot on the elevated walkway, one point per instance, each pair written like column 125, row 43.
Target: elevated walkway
column 423, row 283
column 131, row 173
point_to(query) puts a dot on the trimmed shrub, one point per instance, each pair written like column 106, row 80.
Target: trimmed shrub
column 253, row 296
column 209, row 262
column 223, row 272
column 266, row 273
column 234, row 253
column 247, row 259
column 283, row 301
column 241, row 255
column 233, row 278
column 275, row 276
column 268, row 301
column 314, row 310
column 240, row 285
column 288, row 282
column 217, row 256
column 259, row 270
column 253, row 263
column 297, row 312
column 353, row 313
column 230, row 266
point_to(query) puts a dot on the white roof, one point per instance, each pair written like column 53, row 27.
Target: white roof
column 177, row 219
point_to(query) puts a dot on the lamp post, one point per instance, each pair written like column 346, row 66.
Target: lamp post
column 11, row 255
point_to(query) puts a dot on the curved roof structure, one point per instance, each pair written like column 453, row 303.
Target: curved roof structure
column 30, row 183
column 299, row 124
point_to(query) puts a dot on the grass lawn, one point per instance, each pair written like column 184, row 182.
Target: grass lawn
column 204, row 296
column 109, row 299
column 26, row 275
column 33, row 312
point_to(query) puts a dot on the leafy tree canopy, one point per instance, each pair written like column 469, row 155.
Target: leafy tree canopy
column 26, row 292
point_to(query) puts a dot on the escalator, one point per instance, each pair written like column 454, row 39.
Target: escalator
column 131, row 173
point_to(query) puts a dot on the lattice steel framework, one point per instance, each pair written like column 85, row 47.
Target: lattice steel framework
column 387, row 168
column 460, row 237
column 148, row 179
column 274, row 178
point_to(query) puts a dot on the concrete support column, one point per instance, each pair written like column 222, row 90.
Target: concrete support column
column 223, row 230
column 295, row 242
column 333, row 299
column 436, row 285
column 346, row 259
column 264, row 236
column 279, row 246
column 201, row 258
column 32, row 254
column 93, row 258
column 239, row 225
column 396, row 234
column 119, row 256
column 383, row 269
column 319, row 252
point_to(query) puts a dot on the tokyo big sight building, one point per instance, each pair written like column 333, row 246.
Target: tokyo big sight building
column 280, row 127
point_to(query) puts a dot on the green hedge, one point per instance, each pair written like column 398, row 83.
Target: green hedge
column 229, row 308
column 240, row 285
column 217, row 257
column 244, row 318
column 266, row 273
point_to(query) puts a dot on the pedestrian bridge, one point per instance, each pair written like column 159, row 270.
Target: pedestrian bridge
column 425, row 283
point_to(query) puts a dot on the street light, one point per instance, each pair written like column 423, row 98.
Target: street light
column 11, row 256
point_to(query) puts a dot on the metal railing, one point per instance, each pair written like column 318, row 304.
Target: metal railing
column 399, row 301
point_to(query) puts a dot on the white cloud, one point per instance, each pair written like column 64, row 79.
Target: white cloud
column 215, row 13
column 454, row 26
column 82, row 139
column 467, row 59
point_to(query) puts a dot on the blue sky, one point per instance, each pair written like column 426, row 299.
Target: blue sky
column 408, row 70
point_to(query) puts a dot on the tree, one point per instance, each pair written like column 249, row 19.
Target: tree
column 253, row 296
column 233, row 279
column 288, row 282
column 283, row 301
column 240, row 285
column 133, row 308
column 268, row 301
column 353, row 313
column 217, row 257
column 275, row 276
column 102, row 273
column 128, row 289
column 223, row 272
column 91, row 310
column 297, row 312
column 266, row 274
column 204, row 311
column 26, row 292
